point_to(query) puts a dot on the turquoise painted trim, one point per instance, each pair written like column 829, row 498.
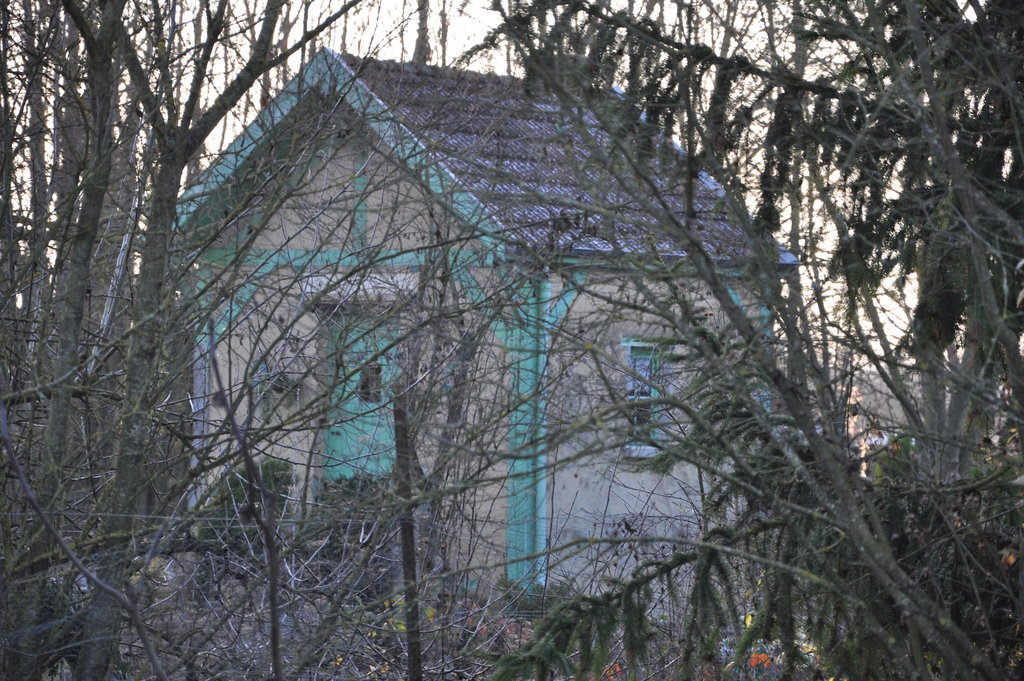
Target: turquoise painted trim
column 319, row 74
column 598, row 261
column 359, row 183
column 558, row 307
column 735, row 297
column 360, row 437
column 528, row 344
column 525, row 431
column 238, row 301
column 553, row 316
column 257, row 263
column 261, row 262
column 325, row 257
column 649, row 383
column 765, row 314
column 320, row 258
column 646, row 341
column 761, row 394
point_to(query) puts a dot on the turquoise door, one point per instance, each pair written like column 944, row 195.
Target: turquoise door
column 360, row 439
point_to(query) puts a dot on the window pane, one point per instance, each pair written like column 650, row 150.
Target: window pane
column 370, row 383
column 643, row 368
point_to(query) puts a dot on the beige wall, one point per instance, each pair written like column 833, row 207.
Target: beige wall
column 602, row 485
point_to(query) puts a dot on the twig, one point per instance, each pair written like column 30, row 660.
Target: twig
column 127, row 601
column 264, row 517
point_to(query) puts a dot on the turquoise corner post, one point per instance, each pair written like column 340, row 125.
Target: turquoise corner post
column 526, row 433
column 529, row 346
column 764, row 314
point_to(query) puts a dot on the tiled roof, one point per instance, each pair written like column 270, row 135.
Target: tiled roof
column 550, row 175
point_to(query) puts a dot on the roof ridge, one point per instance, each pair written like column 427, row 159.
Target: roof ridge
column 429, row 70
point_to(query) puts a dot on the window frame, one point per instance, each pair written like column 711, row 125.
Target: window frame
column 645, row 383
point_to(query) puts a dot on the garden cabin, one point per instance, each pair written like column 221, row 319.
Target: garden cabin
column 457, row 274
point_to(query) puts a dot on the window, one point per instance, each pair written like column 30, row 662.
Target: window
column 643, row 388
column 640, row 392
column 371, row 383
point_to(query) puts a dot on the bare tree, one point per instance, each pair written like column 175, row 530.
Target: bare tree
column 121, row 128
column 302, row 415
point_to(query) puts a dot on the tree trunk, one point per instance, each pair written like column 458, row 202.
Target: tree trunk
column 405, row 457
column 421, row 53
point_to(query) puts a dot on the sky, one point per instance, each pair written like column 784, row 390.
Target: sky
column 387, row 29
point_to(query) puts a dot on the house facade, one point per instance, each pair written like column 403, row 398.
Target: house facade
column 454, row 273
